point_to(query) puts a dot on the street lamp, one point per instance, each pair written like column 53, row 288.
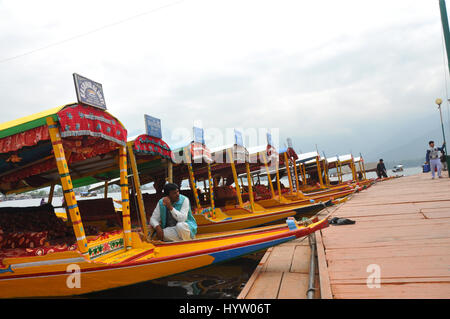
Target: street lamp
column 439, row 102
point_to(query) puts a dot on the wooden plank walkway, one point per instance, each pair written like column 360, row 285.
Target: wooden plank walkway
column 283, row 273
column 402, row 227
column 402, row 230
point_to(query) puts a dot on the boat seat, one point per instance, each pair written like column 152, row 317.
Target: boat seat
column 30, row 252
column 261, row 192
column 150, row 202
column 15, row 221
column 99, row 209
column 222, row 194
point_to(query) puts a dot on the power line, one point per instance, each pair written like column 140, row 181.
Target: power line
column 90, row 32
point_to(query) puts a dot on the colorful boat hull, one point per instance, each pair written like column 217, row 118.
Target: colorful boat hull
column 67, row 273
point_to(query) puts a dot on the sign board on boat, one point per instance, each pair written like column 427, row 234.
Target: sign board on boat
column 269, row 139
column 89, row 92
column 199, row 136
column 238, row 138
column 289, row 142
column 152, row 126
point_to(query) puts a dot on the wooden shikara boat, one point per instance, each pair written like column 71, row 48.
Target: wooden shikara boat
column 359, row 177
column 67, row 273
column 40, row 255
column 240, row 205
column 194, row 163
column 317, row 168
column 213, row 212
column 289, row 196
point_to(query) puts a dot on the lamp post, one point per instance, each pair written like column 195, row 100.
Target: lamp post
column 439, row 102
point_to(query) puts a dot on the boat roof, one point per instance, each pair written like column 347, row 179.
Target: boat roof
column 34, row 120
column 345, row 158
column 307, row 157
column 239, row 152
column 199, row 153
column 89, row 136
column 257, row 149
column 146, row 145
column 28, row 122
column 332, row 159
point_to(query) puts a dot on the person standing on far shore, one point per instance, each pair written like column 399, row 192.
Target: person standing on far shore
column 381, row 169
column 433, row 159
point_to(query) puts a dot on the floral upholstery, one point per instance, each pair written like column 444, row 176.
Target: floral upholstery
column 261, row 192
column 35, row 219
column 23, row 240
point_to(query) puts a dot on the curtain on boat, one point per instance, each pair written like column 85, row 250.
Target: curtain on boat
column 28, row 138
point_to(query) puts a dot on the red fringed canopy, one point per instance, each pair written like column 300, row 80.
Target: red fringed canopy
column 80, row 120
column 149, row 145
column 86, row 132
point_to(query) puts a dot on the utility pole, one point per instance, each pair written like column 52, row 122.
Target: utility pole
column 445, row 28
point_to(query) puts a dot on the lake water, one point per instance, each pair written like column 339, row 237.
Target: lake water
column 224, row 280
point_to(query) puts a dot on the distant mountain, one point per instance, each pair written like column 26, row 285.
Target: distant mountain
column 409, row 144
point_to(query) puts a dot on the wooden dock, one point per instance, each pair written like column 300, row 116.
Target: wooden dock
column 402, row 234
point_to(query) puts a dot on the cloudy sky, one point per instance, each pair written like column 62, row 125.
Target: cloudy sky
column 345, row 75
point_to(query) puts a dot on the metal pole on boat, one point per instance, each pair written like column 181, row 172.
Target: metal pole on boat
column 326, row 168
column 288, row 170
column 268, row 175
column 211, row 190
column 339, row 170
column 170, row 172
column 191, row 178
column 66, row 183
column 277, row 168
column 106, row 190
column 303, row 166
column 50, row 194
column 296, row 178
column 319, row 171
column 123, row 168
column 250, row 186
column 137, row 188
column 353, row 167
column 236, row 181
column 364, row 168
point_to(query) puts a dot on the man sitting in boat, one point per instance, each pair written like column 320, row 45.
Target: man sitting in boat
column 172, row 218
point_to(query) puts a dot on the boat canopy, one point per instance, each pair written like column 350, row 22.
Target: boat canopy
column 221, row 154
column 345, row 159
column 152, row 155
column 255, row 154
column 197, row 153
column 89, row 135
column 291, row 154
column 333, row 159
column 305, row 157
column 149, row 145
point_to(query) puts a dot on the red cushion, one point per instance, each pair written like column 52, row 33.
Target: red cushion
column 23, row 240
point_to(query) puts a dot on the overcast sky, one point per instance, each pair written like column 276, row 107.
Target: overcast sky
column 346, row 75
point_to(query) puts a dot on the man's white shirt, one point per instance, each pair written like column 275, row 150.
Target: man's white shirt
column 179, row 215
